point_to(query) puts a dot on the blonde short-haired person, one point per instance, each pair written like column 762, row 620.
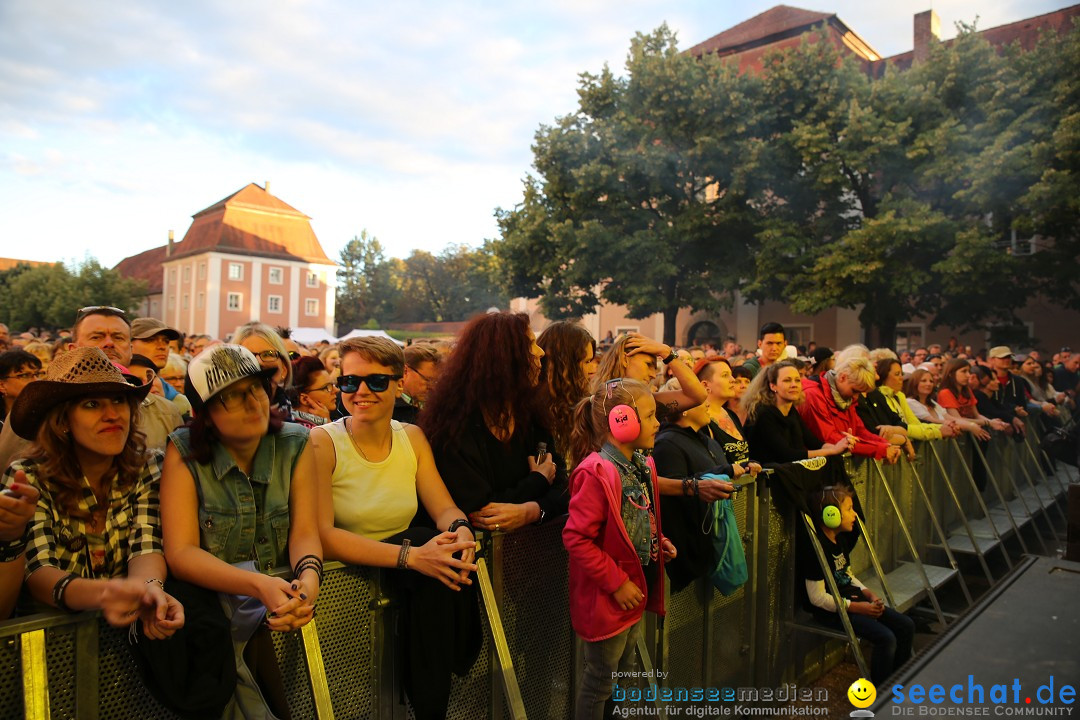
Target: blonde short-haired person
column 829, row 408
column 372, row 471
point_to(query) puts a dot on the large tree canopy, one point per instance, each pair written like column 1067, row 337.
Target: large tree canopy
column 812, row 183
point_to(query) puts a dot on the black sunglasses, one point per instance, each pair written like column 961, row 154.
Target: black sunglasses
column 376, row 383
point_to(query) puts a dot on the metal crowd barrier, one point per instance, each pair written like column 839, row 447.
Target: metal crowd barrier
column 922, row 520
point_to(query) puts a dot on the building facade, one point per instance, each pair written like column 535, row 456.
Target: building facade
column 249, row 257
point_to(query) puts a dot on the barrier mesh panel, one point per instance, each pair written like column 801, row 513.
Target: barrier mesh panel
column 289, row 651
column 11, row 703
column 122, row 695
column 780, row 590
column 60, row 659
column 470, row 696
column 536, row 616
column 684, row 636
column 729, row 616
column 346, row 625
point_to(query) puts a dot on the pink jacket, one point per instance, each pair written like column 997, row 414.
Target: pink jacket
column 601, row 554
column 829, row 423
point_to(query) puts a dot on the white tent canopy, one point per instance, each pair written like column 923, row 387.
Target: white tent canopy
column 356, row 332
column 310, row 336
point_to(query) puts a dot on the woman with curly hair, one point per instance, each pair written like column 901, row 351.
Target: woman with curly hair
column 95, row 540
column 485, row 421
column 565, row 370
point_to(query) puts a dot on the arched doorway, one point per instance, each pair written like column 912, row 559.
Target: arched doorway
column 705, row 330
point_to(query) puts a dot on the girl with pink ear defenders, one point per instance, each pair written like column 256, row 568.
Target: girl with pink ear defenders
column 613, row 536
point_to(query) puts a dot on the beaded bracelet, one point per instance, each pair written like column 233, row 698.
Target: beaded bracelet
column 155, row 580
column 58, row 591
column 309, row 562
column 403, row 556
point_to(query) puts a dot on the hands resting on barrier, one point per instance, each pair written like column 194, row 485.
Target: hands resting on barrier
column 435, row 558
column 290, row 605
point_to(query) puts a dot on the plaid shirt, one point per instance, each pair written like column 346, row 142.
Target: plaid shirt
column 132, row 525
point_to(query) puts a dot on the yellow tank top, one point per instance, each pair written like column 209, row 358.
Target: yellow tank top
column 373, row 499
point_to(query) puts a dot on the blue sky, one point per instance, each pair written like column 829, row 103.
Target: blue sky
column 414, row 120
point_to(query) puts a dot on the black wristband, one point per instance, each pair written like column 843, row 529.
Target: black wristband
column 13, row 549
column 671, row 358
column 58, row 591
column 459, row 523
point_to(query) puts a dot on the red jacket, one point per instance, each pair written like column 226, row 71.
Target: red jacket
column 829, row 423
column 601, row 554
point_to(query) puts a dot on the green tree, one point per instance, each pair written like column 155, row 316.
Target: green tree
column 454, row 285
column 47, row 296
column 367, row 288
column 640, row 195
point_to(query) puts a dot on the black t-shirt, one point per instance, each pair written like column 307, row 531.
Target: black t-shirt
column 810, row 569
column 736, row 450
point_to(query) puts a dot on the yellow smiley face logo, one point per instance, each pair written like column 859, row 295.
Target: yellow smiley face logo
column 862, row 693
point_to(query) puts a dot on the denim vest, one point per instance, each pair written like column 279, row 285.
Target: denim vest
column 246, row 518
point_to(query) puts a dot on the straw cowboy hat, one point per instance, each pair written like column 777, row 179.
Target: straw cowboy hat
column 80, row 372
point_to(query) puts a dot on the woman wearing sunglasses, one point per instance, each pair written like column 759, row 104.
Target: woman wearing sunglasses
column 268, row 347
column 95, row 538
column 238, row 501
column 371, row 470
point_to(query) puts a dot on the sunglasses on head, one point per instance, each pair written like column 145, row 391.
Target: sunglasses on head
column 99, row 310
column 376, row 383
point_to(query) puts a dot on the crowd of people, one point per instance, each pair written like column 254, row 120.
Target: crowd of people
column 160, row 478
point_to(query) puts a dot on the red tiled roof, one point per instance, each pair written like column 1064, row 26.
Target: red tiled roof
column 774, row 21
column 145, row 266
column 251, row 221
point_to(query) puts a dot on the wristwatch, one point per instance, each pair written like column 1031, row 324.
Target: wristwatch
column 542, row 516
column 671, row 358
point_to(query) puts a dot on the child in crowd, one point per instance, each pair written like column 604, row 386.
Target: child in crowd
column 617, row 551
column 890, row 632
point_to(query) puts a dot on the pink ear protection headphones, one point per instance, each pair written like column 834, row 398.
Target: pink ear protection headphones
column 623, row 421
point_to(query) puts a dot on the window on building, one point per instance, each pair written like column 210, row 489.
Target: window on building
column 153, row 308
column 235, row 301
column 312, row 279
column 200, row 301
column 277, row 276
column 202, row 271
column 184, row 302
column 172, row 302
column 273, row 303
column 236, row 271
column 798, row 335
column 187, row 274
column 172, row 276
column 909, row 337
column 311, row 306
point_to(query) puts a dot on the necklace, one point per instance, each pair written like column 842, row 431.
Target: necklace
column 348, row 429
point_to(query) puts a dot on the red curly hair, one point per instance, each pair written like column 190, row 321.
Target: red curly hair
column 489, row 375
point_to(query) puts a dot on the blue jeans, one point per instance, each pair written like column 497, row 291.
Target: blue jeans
column 891, row 635
column 602, row 660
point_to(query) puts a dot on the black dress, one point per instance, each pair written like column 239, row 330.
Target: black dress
column 778, row 438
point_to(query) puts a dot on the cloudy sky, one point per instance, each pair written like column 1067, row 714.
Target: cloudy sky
column 119, row 120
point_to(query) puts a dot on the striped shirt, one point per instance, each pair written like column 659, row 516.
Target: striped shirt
column 132, row 525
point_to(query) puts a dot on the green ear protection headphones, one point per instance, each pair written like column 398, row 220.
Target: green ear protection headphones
column 831, row 516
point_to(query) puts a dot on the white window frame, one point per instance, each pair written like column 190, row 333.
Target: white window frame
column 239, row 305
column 239, row 274
column 279, row 272
column 202, row 271
column 186, row 274
column 312, row 280
column 184, row 302
column 270, row 302
column 200, row 301
column 172, row 302
column 308, row 303
column 620, row 330
column 790, row 338
column 909, row 329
